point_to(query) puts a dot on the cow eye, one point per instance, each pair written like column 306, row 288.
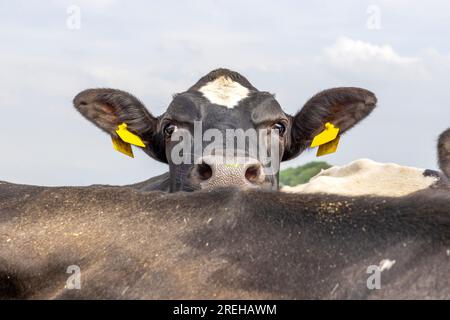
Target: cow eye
column 281, row 127
column 169, row 129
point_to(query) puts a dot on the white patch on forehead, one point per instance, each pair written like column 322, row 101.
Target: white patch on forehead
column 367, row 177
column 224, row 91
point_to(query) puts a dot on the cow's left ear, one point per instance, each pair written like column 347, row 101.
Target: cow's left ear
column 109, row 108
column 342, row 107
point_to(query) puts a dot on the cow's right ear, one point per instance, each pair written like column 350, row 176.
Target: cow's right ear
column 444, row 152
column 108, row 108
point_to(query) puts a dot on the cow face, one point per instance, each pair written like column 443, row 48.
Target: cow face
column 223, row 131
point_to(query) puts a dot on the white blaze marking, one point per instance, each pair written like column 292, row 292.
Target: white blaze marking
column 224, row 91
column 386, row 264
column 367, row 177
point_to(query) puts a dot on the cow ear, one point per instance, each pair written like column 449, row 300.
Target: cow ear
column 444, row 152
column 108, row 108
column 343, row 107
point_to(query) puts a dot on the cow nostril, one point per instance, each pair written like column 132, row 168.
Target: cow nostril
column 204, row 171
column 253, row 173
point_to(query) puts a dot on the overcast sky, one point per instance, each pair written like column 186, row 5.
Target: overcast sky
column 398, row 49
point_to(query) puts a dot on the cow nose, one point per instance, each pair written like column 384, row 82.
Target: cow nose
column 214, row 171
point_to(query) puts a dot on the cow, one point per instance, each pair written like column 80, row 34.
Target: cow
column 105, row 242
column 370, row 178
column 222, row 100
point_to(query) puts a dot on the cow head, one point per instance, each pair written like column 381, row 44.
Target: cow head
column 444, row 152
column 224, row 104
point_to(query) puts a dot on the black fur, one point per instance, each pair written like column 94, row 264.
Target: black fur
column 444, row 152
column 221, row 244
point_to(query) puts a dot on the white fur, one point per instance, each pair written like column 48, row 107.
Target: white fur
column 366, row 177
column 224, row 91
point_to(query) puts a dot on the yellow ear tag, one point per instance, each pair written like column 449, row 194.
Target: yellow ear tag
column 327, row 140
column 129, row 137
column 329, row 134
column 329, row 147
column 123, row 147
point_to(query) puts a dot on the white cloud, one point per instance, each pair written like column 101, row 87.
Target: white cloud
column 347, row 51
column 361, row 57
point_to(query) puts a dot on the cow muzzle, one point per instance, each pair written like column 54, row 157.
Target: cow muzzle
column 217, row 171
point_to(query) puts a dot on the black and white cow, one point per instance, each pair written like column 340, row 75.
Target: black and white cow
column 122, row 243
column 365, row 177
column 222, row 100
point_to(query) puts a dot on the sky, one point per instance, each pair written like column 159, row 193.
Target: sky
column 51, row 50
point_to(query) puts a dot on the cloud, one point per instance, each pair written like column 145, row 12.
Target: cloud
column 348, row 51
column 360, row 57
